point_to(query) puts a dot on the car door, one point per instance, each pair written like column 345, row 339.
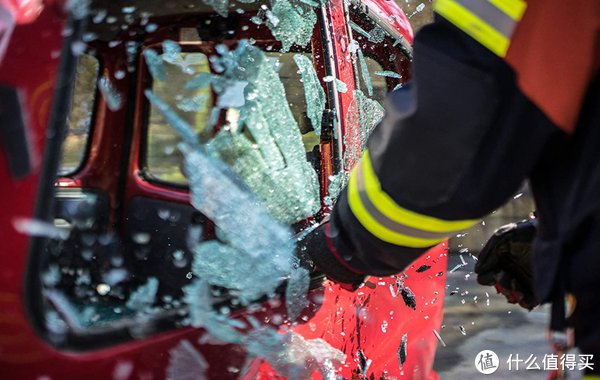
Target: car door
column 119, row 226
column 124, row 199
column 408, row 317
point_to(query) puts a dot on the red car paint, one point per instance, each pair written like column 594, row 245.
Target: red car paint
column 371, row 319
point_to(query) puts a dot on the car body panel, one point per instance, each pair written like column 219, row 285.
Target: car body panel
column 373, row 320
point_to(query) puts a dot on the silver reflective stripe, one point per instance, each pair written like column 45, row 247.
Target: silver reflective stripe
column 387, row 222
column 491, row 15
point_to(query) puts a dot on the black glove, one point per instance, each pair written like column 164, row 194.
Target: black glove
column 316, row 252
column 505, row 263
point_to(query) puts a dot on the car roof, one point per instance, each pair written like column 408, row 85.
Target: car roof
column 389, row 13
column 122, row 13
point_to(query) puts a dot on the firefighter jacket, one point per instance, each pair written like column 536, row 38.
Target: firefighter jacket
column 503, row 91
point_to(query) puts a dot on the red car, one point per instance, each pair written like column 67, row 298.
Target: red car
column 97, row 226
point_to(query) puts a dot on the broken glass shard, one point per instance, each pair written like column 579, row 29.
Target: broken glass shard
column 197, row 297
column 220, row 6
column 55, row 325
column 141, row 238
column 253, row 237
column 456, row 267
column 407, row 294
column 423, row 268
column 51, row 277
column 274, row 20
column 313, row 92
column 291, row 355
column 144, row 296
column 295, row 23
column 99, row 16
column 370, row 115
column 398, row 40
column 102, row 289
column 112, row 97
column 340, row 86
column 384, row 326
column 389, row 74
column 336, row 184
column 186, row 363
column 122, row 371
column 193, row 104
column 269, row 156
column 200, row 81
column 179, row 259
column 363, row 362
column 402, row 350
column 419, row 8
column 172, row 54
column 364, row 69
column 201, row 313
column 67, row 311
column 78, row 9
column 226, row 266
column 359, row 30
column 353, row 47
column 222, row 329
column 84, row 278
column 232, row 95
column 409, row 298
column 115, row 276
column 151, row 28
column 310, row 2
column 376, row 35
column 155, row 65
column 296, row 291
column 34, row 227
column 366, row 114
column 439, row 338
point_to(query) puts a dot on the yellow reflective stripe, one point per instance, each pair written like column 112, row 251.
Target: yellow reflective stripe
column 388, row 207
column 475, row 27
column 513, row 8
column 591, row 377
column 381, row 216
column 374, row 227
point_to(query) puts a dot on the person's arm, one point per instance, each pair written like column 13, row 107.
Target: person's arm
column 454, row 145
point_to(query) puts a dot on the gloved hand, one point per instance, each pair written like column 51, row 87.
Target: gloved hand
column 505, row 263
column 316, row 252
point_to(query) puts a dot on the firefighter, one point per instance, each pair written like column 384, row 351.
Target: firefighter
column 503, row 91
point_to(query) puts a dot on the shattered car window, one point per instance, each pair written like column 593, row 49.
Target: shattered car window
column 190, row 94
